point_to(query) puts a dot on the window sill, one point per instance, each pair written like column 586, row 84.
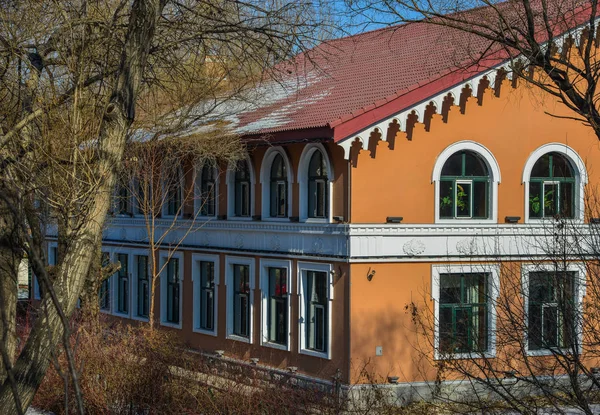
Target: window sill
column 277, row 346
column 270, row 219
column 238, row 338
column 466, row 221
column 461, row 356
column 105, row 311
column 139, row 318
column 205, row 332
column 549, row 221
column 547, row 352
column 240, row 218
column 172, row 325
column 315, row 220
column 122, row 315
column 321, row 355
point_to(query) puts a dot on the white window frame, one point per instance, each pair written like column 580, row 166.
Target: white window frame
column 495, row 178
column 493, row 291
column 265, row 181
column 133, row 281
column 196, row 258
column 265, row 264
column 165, row 198
column 164, row 256
column 198, row 193
column 302, row 269
column 579, row 170
column 303, row 166
column 230, row 179
column 579, row 291
column 230, row 261
column 115, row 287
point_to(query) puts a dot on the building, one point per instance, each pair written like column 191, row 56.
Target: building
column 393, row 177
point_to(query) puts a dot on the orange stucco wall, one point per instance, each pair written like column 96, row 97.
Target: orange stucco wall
column 398, row 182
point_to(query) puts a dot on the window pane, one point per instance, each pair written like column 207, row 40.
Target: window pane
column 123, row 284
column 173, row 291
column 480, row 199
column 561, row 166
column 446, row 199
column 463, row 200
column 206, row 295
column 143, row 286
column 541, row 168
column 277, row 306
column 535, row 199
column 463, row 312
column 453, row 166
column 550, row 199
column 474, row 165
column 241, row 300
column 567, row 204
column 317, row 309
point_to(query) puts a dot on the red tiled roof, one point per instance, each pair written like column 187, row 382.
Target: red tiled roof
column 352, row 76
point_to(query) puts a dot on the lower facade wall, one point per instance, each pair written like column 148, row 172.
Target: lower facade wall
column 295, row 354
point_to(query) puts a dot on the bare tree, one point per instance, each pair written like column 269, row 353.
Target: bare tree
column 73, row 76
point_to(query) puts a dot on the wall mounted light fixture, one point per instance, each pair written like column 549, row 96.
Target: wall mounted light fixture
column 370, row 274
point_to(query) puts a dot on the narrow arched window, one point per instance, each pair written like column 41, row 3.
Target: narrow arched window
column 207, row 191
column 242, row 189
column 173, row 182
column 552, row 187
column 317, row 187
column 278, row 188
column 465, row 187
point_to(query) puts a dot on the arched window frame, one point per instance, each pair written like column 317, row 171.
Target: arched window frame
column 303, row 167
column 198, row 190
column 495, row 178
column 579, row 171
column 165, row 196
column 265, row 181
column 231, row 190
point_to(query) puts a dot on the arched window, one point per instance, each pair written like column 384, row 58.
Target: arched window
column 242, row 189
column 278, row 188
column 207, row 190
column 464, row 187
column 317, row 187
column 552, row 187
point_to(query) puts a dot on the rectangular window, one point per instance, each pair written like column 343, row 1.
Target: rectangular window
column 317, row 310
column 143, row 286
column 207, row 295
column 277, row 306
column 241, row 300
column 104, row 293
column 143, row 197
column 551, row 310
column 173, row 294
column 123, row 284
column 174, row 200
column 463, row 312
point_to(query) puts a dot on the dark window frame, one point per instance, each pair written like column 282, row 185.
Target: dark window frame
column 173, row 292
column 452, row 193
column 208, row 190
column 241, row 297
column 242, row 195
column 206, row 295
column 143, row 286
column 317, row 310
column 278, row 185
column 538, row 204
column 123, row 284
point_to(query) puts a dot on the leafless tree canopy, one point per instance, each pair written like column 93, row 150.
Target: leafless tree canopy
column 78, row 79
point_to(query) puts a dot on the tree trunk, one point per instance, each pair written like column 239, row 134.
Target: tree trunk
column 33, row 361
